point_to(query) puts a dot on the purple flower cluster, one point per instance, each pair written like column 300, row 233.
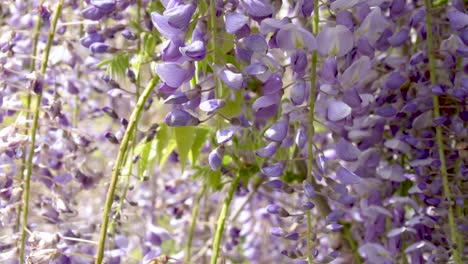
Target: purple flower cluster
column 245, row 131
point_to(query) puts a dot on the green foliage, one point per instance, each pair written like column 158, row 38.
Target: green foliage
column 201, row 134
column 184, row 136
column 149, row 44
column 147, row 153
column 211, row 178
column 232, row 108
column 438, row 3
column 162, row 138
column 116, row 66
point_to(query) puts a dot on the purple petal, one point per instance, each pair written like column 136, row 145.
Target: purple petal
column 195, row 51
column 352, row 98
column 179, row 117
column 329, row 70
column 275, row 184
column 397, row 8
column 267, row 151
column 256, row 43
column 397, row 144
column 177, row 98
column 309, row 190
column 345, row 18
column 212, row 105
column 179, row 16
column 335, row 41
column 340, row 5
column 231, row 79
column 273, row 84
column 93, row 13
column 395, row 81
column 275, row 170
column 301, row 138
column 386, row 111
column 298, row 93
column 258, row 9
column 162, row 25
column 347, row 177
column 373, row 26
column 98, row 47
column 89, row 39
column 171, row 52
column 291, row 37
column 364, row 47
column 215, row 158
column 392, row 172
column 224, row 135
column 277, row 132
column 458, row 20
column 299, row 62
column 277, row 210
column 399, row 38
column 105, row 5
column 266, row 106
column 294, row 236
column 338, row 110
column 271, row 25
column 174, row 74
column 356, row 72
column 347, row 151
column 234, row 22
column 255, row 69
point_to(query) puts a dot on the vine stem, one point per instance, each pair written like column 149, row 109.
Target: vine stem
column 439, row 139
column 310, row 157
column 32, row 67
column 214, row 38
column 257, row 184
column 195, row 211
column 29, row 165
column 222, row 219
column 118, row 165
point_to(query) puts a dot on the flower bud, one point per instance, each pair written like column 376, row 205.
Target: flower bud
column 215, row 158
column 179, row 117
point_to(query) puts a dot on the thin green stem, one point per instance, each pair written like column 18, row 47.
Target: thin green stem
column 118, row 165
column 76, row 110
column 214, row 38
column 196, row 209
column 349, row 237
column 310, row 157
column 138, row 15
column 459, row 209
column 29, row 165
column 439, row 137
column 118, row 210
column 222, row 219
column 257, row 184
column 32, row 67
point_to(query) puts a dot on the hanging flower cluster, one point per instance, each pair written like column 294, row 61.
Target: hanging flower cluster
column 244, row 131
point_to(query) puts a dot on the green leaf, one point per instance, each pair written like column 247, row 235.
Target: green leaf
column 214, row 180
column 184, row 136
column 143, row 150
column 162, row 138
column 117, row 66
column 232, row 108
column 149, row 44
column 228, row 43
column 438, row 3
column 147, row 152
column 201, row 134
column 211, row 178
column 171, row 146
